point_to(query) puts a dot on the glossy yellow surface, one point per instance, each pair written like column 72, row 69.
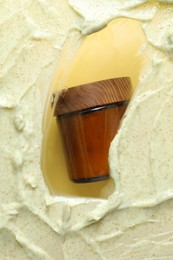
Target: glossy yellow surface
column 112, row 52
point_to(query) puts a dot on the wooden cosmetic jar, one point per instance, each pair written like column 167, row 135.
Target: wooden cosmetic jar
column 88, row 117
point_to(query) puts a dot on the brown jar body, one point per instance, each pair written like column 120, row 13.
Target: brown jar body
column 86, row 136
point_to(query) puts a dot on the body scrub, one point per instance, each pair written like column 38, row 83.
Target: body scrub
column 88, row 117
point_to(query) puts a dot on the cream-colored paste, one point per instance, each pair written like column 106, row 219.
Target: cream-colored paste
column 136, row 221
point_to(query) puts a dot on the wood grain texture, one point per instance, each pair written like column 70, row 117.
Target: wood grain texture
column 86, row 140
column 92, row 95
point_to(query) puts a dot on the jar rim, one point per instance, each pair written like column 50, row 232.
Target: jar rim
column 93, row 94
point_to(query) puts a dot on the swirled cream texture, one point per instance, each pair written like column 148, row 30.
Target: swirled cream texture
column 136, row 220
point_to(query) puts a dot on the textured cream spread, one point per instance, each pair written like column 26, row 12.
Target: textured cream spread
column 136, row 221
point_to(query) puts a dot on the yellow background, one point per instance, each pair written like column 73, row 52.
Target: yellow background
column 113, row 52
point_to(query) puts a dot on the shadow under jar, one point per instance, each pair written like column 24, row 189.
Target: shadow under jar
column 88, row 117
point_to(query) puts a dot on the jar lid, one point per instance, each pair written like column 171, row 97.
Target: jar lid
column 92, row 94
